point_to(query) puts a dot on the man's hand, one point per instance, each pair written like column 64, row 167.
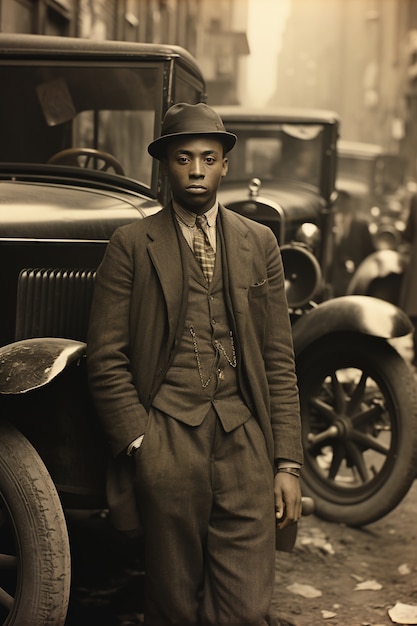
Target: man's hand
column 287, row 491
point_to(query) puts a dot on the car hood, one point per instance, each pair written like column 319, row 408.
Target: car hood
column 294, row 200
column 32, row 210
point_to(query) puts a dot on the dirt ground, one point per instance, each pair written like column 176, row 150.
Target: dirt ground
column 330, row 562
column 337, row 562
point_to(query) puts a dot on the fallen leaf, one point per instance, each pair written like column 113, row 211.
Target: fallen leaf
column 403, row 613
column 307, row 591
column 368, row 585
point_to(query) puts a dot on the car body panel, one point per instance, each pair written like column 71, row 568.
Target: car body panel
column 347, row 314
column 31, row 363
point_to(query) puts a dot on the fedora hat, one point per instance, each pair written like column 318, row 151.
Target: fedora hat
column 184, row 119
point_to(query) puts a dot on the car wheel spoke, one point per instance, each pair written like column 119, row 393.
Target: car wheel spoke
column 6, row 600
column 337, row 459
column 358, row 461
column 338, row 394
column 369, row 443
column 358, row 395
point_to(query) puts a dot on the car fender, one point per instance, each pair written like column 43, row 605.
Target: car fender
column 379, row 264
column 33, row 363
column 360, row 314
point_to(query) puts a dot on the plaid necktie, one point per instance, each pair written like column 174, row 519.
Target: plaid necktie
column 203, row 251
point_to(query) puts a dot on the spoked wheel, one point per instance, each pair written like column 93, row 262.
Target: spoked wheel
column 34, row 546
column 359, row 420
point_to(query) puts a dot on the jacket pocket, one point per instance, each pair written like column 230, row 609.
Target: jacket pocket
column 258, row 289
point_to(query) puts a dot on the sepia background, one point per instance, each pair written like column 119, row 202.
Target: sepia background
column 355, row 57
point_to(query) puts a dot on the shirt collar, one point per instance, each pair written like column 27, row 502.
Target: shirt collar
column 188, row 218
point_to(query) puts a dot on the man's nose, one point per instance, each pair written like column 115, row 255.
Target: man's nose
column 196, row 169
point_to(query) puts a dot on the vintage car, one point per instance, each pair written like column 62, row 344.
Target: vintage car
column 283, row 172
column 76, row 117
column 376, row 181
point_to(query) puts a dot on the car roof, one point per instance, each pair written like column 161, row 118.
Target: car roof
column 359, row 148
column 22, row 46
column 277, row 115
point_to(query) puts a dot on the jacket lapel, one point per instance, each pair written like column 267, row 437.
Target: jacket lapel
column 236, row 260
column 165, row 254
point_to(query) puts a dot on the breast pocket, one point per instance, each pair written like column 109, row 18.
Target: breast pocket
column 258, row 289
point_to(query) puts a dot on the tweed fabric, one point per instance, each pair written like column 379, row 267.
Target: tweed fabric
column 203, row 251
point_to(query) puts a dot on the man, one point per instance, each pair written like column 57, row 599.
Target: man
column 353, row 242
column 193, row 376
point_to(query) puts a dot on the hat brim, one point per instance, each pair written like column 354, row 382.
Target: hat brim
column 157, row 148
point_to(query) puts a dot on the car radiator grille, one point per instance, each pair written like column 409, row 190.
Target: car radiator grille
column 53, row 303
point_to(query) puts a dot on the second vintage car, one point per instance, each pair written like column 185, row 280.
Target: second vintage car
column 357, row 393
column 376, row 180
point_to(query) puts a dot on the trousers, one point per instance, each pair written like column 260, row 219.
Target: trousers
column 206, row 503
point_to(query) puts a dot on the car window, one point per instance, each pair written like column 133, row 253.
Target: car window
column 284, row 153
column 187, row 88
column 356, row 168
column 121, row 133
column 52, row 107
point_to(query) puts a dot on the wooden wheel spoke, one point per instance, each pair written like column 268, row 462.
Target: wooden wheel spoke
column 337, row 459
column 357, row 395
column 6, row 600
column 356, row 457
column 338, row 394
column 369, row 442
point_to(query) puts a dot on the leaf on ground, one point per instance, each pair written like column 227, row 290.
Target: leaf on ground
column 403, row 613
column 368, row 585
column 307, row 591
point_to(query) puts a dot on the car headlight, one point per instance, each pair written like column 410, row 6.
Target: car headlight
column 308, row 234
column 387, row 237
column 303, row 276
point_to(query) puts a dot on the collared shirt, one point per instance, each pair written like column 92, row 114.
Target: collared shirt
column 186, row 220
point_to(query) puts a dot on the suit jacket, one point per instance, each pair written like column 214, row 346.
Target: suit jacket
column 137, row 318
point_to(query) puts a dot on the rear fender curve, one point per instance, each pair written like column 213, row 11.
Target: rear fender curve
column 361, row 314
column 379, row 264
column 31, row 363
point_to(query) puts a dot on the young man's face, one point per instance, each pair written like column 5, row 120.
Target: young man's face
column 195, row 167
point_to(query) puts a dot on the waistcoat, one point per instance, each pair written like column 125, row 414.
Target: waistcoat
column 203, row 371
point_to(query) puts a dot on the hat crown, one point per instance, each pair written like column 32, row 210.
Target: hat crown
column 184, row 119
column 191, row 119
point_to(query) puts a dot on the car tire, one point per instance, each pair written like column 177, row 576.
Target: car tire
column 359, row 424
column 34, row 545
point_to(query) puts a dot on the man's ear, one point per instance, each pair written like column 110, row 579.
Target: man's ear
column 225, row 166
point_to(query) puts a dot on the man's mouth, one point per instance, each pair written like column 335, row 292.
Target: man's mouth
column 196, row 188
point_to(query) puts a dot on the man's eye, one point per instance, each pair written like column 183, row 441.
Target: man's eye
column 183, row 159
column 210, row 160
